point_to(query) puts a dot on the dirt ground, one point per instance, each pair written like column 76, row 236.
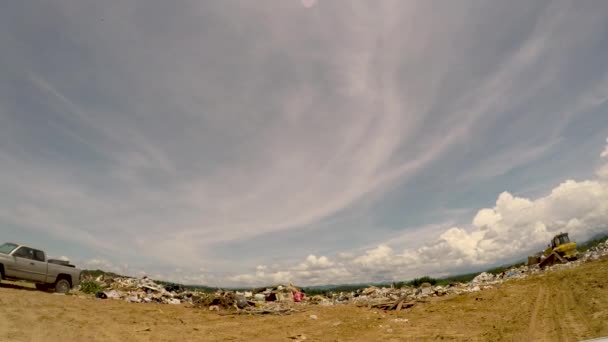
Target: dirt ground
column 565, row 305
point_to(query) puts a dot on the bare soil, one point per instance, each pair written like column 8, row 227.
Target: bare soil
column 565, row 305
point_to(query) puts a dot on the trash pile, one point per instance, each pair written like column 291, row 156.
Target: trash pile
column 278, row 300
column 391, row 298
column 596, row 252
column 141, row 290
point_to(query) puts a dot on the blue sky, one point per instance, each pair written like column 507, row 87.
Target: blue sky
column 251, row 142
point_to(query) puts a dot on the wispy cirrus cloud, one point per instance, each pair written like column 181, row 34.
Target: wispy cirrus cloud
column 155, row 134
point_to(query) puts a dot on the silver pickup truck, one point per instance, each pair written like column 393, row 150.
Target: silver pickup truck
column 18, row 262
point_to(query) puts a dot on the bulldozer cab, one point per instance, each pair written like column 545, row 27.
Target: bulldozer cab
column 559, row 240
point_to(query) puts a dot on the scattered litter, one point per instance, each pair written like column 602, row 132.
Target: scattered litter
column 313, row 317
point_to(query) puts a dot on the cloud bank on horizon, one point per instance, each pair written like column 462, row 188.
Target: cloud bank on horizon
column 307, row 141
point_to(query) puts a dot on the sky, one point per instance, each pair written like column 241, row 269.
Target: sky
column 242, row 143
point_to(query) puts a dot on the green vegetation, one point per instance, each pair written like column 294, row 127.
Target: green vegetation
column 419, row 281
column 312, row 291
column 91, row 287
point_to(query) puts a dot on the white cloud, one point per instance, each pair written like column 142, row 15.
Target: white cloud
column 516, row 225
column 382, row 255
column 605, row 152
column 602, row 171
column 513, row 227
column 312, row 262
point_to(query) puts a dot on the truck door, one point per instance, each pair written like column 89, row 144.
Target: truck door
column 39, row 269
column 26, row 265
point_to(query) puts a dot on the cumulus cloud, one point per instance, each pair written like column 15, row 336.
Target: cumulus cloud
column 602, row 172
column 312, row 262
column 506, row 232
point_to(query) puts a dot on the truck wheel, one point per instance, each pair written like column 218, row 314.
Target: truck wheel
column 62, row 286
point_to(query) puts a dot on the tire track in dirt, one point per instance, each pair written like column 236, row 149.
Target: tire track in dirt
column 534, row 324
column 554, row 309
column 573, row 319
column 556, row 315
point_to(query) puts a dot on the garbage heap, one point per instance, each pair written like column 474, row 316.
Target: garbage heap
column 277, row 300
column 391, row 298
column 596, row 252
column 142, row 290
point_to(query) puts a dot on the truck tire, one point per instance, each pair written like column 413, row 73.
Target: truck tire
column 62, row 286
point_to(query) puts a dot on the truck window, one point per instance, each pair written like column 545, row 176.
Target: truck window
column 38, row 255
column 7, row 248
column 24, row 252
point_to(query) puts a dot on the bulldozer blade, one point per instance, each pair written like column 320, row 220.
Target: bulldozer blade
column 552, row 259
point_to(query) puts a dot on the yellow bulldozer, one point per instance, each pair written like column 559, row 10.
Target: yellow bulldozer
column 559, row 251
